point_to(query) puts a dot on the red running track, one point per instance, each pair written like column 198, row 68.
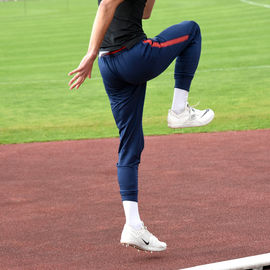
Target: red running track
column 206, row 195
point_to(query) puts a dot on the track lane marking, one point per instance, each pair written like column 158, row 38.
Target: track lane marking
column 252, row 262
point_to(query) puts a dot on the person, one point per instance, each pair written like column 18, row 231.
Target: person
column 127, row 60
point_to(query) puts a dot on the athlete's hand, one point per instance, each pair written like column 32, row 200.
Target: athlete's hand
column 84, row 70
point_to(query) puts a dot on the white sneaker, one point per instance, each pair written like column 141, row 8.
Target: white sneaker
column 141, row 239
column 190, row 118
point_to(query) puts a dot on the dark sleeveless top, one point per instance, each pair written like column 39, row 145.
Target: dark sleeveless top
column 125, row 29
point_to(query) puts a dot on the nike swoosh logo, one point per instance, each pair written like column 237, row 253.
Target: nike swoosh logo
column 205, row 113
column 147, row 243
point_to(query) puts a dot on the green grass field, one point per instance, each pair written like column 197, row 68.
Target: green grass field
column 42, row 40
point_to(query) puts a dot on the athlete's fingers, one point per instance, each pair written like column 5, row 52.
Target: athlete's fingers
column 75, row 71
column 72, row 72
column 79, row 82
column 74, row 84
column 90, row 70
column 89, row 74
column 83, row 71
column 74, row 79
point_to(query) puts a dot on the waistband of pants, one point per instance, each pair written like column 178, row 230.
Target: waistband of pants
column 104, row 53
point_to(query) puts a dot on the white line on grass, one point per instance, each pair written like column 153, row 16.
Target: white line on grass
column 255, row 3
column 234, row 68
column 168, row 73
column 43, row 81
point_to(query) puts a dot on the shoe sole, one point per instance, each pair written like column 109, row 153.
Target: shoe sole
column 187, row 126
column 140, row 248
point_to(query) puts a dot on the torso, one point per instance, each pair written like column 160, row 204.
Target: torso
column 125, row 29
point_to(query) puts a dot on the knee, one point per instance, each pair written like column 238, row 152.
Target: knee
column 130, row 155
column 194, row 30
column 131, row 145
column 194, row 26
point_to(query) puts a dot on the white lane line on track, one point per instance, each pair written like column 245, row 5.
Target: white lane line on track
column 168, row 73
column 255, row 3
column 253, row 262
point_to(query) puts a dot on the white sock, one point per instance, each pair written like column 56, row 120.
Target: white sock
column 180, row 99
column 132, row 214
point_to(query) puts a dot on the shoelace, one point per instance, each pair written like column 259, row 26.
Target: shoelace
column 147, row 230
column 192, row 108
column 151, row 235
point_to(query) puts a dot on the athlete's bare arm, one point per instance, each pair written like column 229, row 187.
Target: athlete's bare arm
column 148, row 9
column 102, row 21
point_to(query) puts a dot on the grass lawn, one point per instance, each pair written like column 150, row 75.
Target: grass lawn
column 42, row 40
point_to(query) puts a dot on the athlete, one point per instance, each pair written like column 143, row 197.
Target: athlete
column 127, row 60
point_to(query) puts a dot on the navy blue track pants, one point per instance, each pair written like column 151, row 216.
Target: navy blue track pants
column 125, row 74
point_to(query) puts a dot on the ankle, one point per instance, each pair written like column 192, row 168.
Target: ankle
column 180, row 99
column 132, row 215
column 135, row 226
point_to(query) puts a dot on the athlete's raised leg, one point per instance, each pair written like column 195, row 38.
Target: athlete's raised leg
column 152, row 56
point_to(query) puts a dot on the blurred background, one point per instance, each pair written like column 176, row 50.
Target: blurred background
column 42, row 40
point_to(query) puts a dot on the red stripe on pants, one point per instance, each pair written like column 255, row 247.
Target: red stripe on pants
column 167, row 43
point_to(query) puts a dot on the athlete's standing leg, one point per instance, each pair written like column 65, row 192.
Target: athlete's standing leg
column 127, row 101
